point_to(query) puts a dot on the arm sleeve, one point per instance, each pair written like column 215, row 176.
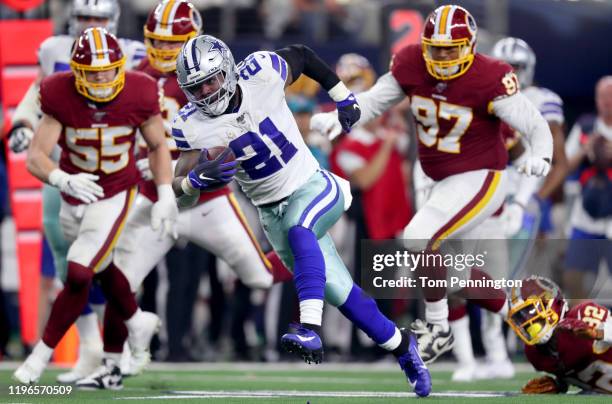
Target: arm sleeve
column 303, row 60
column 518, row 112
column 28, row 109
column 385, row 93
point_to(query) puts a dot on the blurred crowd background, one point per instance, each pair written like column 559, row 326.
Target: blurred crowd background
column 208, row 315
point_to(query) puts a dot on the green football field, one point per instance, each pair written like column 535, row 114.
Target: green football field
column 290, row 383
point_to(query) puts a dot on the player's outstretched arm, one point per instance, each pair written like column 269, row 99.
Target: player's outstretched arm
column 25, row 119
column 164, row 211
column 303, row 60
column 520, row 113
column 385, row 93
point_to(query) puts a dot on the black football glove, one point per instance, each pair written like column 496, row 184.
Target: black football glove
column 349, row 112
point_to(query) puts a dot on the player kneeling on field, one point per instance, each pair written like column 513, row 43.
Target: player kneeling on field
column 572, row 346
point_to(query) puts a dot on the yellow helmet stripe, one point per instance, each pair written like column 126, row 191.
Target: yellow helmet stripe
column 166, row 13
column 98, row 43
column 444, row 20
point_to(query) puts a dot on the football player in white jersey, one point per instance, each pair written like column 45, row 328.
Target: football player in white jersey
column 521, row 57
column 243, row 108
column 53, row 56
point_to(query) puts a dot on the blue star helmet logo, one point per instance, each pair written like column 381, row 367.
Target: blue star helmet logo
column 216, row 45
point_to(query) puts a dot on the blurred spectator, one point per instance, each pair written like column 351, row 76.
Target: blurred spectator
column 303, row 108
column 589, row 150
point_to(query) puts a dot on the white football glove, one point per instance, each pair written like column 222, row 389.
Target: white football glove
column 512, row 218
column 81, row 186
column 327, row 124
column 165, row 212
column 537, row 166
column 145, row 170
column 20, row 139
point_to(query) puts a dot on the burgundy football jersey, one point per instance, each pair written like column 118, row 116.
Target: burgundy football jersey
column 173, row 101
column 456, row 128
column 580, row 361
column 99, row 138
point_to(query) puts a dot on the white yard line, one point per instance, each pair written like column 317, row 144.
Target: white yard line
column 307, row 394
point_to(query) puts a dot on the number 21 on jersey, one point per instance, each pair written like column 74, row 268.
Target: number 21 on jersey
column 429, row 116
column 264, row 161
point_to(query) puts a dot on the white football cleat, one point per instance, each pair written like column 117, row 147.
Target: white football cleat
column 433, row 340
column 465, row 372
column 503, row 369
column 30, row 371
column 106, row 377
column 141, row 332
column 90, row 357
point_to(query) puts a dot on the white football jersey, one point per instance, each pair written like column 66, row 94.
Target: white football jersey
column 274, row 159
column 54, row 53
column 547, row 102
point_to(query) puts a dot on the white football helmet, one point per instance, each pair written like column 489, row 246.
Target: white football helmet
column 207, row 59
column 519, row 55
column 108, row 9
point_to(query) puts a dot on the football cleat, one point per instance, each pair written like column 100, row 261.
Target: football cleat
column 433, row 340
column 465, row 372
column 90, row 356
column 106, row 377
column 304, row 342
column 29, row 372
column 503, row 369
column 139, row 340
column 415, row 370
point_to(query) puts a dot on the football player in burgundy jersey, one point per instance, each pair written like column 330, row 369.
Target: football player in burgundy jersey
column 573, row 346
column 459, row 99
column 93, row 112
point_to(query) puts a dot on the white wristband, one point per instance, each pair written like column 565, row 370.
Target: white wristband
column 339, row 92
column 187, row 188
column 56, row 176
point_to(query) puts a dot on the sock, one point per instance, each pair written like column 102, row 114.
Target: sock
column 117, row 291
column 433, row 270
column 493, row 337
column 88, row 329
column 42, row 351
column 313, row 327
column 488, row 298
column 404, row 344
column 309, row 272
column 437, row 313
column 311, row 311
column 96, row 295
column 462, row 349
column 113, row 356
column 394, row 343
column 456, row 312
column 362, row 310
column 280, row 273
column 115, row 330
column 68, row 304
column 132, row 322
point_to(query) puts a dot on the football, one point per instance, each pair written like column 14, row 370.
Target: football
column 214, row 152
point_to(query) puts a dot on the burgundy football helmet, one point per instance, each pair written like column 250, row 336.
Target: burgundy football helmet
column 449, row 26
column 536, row 307
column 97, row 50
column 171, row 21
